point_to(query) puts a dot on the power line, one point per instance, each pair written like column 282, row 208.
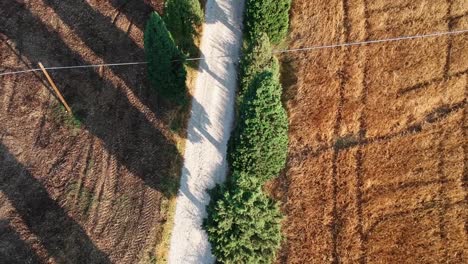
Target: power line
column 436, row 34
column 76, row 67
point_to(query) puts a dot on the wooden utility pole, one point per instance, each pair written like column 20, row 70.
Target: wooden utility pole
column 59, row 95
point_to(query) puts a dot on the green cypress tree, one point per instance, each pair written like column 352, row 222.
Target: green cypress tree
column 258, row 57
column 270, row 16
column 166, row 68
column 243, row 226
column 182, row 18
column 258, row 147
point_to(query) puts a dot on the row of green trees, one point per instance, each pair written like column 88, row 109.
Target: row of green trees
column 259, row 143
column 168, row 41
column 269, row 16
column 243, row 223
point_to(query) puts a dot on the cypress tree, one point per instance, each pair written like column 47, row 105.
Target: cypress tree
column 258, row 57
column 258, row 147
column 182, row 18
column 270, row 16
column 166, row 68
column 243, row 226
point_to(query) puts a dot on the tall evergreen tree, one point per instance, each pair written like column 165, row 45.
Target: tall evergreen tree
column 258, row 57
column 182, row 18
column 258, row 147
column 270, row 16
column 243, row 226
column 166, row 68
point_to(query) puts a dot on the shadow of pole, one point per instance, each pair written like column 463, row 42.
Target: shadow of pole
column 105, row 39
column 63, row 238
column 139, row 143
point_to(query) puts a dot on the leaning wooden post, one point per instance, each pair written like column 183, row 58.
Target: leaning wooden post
column 55, row 88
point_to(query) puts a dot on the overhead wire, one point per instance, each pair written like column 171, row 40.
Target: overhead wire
column 360, row 43
column 436, row 34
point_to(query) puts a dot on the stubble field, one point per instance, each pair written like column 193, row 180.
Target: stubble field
column 90, row 189
column 377, row 169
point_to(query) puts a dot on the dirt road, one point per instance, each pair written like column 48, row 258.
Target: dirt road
column 208, row 131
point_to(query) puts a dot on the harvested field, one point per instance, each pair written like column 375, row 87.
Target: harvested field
column 377, row 170
column 90, row 189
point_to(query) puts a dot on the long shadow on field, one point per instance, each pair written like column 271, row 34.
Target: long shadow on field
column 137, row 139
column 106, row 40
column 13, row 249
column 64, row 239
column 137, row 11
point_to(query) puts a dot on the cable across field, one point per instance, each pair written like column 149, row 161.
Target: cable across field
column 305, row 49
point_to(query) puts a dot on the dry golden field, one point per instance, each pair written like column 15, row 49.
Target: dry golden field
column 377, row 169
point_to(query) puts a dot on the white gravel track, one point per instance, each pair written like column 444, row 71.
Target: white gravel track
column 209, row 129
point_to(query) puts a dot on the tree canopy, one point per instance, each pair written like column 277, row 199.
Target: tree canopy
column 244, row 226
column 259, row 144
column 269, row 16
column 258, row 57
column 166, row 68
column 182, row 18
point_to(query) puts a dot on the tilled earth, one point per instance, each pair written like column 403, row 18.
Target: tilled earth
column 93, row 188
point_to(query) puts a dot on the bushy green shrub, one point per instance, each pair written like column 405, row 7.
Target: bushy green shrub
column 244, row 226
column 243, row 223
column 257, row 58
column 182, row 18
column 166, row 68
column 258, row 147
column 269, row 16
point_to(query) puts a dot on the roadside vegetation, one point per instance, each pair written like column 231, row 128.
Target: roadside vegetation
column 169, row 40
column 183, row 19
column 260, row 141
column 258, row 56
column 166, row 70
column 244, row 223
column 267, row 16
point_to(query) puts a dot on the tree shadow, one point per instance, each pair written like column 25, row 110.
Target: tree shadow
column 203, row 67
column 185, row 191
column 218, row 175
column 137, row 139
column 137, row 11
column 63, row 238
column 100, row 34
column 289, row 78
column 219, row 13
column 200, row 124
column 13, row 249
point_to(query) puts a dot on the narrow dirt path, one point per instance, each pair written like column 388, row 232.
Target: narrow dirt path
column 209, row 129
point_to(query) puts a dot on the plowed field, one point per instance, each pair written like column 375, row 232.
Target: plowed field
column 378, row 148
column 90, row 189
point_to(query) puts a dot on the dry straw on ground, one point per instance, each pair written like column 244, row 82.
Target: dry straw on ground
column 377, row 169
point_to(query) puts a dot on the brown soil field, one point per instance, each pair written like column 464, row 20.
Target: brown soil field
column 377, row 169
column 95, row 188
